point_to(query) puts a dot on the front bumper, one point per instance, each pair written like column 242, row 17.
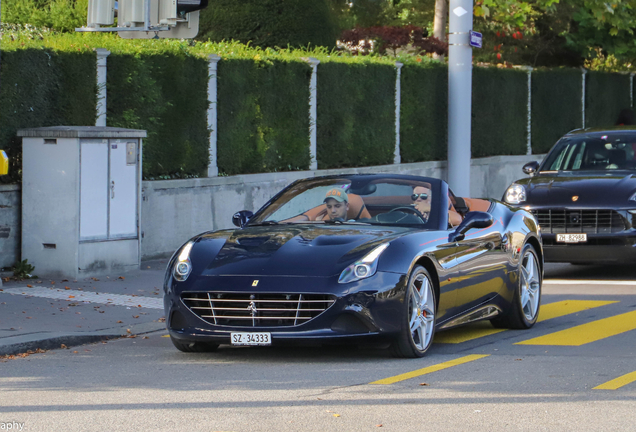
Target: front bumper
column 617, row 248
column 367, row 310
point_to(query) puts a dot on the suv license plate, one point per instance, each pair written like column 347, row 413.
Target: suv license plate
column 571, row 238
column 250, row 338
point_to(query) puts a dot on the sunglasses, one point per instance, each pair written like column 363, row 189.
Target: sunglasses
column 423, row 196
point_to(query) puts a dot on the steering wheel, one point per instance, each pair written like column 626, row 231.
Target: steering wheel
column 413, row 210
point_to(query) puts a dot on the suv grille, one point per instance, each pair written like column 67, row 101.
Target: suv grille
column 256, row 310
column 580, row 221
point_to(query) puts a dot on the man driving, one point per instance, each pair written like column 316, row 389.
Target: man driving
column 337, row 203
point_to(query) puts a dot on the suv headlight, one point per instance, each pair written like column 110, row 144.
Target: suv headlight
column 364, row 268
column 515, row 194
column 183, row 266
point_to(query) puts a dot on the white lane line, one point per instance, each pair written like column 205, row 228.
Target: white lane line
column 83, row 296
column 588, row 282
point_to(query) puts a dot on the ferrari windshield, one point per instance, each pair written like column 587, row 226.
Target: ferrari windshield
column 592, row 153
column 369, row 200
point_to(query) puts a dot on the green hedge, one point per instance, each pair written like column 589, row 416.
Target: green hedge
column 269, row 23
column 166, row 95
column 556, row 106
column 424, row 113
column 499, row 112
column 356, row 114
column 606, row 94
column 43, row 88
column 263, row 116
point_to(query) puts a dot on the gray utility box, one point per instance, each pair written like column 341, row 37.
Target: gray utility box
column 81, row 190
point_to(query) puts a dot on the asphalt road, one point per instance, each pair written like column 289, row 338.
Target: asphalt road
column 575, row 370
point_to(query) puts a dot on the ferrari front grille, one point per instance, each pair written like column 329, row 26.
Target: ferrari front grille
column 559, row 221
column 256, row 310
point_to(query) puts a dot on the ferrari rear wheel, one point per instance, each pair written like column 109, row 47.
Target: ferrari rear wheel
column 525, row 305
column 418, row 323
column 194, row 346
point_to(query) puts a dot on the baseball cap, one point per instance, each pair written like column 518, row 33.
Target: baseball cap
column 338, row 194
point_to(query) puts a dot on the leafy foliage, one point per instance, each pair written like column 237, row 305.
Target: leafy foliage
column 356, row 114
column 606, row 94
column 269, row 23
column 61, row 15
column 500, row 112
column 382, row 39
column 23, row 270
column 556, row 106
column 424, row 112
column 263, row 116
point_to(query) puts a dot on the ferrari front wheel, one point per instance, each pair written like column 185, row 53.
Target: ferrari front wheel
column 418, row 322
column 524, row 310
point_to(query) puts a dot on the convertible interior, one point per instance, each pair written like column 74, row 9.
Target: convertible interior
column 371, row 206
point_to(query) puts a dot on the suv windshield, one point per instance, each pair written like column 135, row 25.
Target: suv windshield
column 393, row 201
column 592, row 153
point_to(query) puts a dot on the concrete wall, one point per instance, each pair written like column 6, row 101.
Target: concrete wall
column 10, row 223
column 175, row 210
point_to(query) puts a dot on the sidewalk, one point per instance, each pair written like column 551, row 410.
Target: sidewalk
column 45, row 313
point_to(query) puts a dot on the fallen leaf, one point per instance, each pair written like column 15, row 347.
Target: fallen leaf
column 379, row 425
column 52, row 282
column 145, row 337
column 101, row 311
column 128, row 331
column 63, row 346
column 29, row 286
column 71, row 296
column 518, row 359
column 67, row 288
column 135, row 316
column 119, row 322
column 423, row 384
column 121, row 277
column 336, row 415
column 28, row 317
column 75, row 352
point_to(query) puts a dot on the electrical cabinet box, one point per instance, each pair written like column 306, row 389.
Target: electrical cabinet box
column 81, row 199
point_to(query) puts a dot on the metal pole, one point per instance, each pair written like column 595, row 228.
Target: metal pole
column 397, row 158
column 313, row 111
column 213, row 61
column 460, row 73
column 102, row 72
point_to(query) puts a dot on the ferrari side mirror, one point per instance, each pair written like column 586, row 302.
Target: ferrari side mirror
column 531, row 168
column 241, row 218
column 473, row 219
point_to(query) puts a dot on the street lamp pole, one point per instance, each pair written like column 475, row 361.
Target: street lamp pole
column 460, row 71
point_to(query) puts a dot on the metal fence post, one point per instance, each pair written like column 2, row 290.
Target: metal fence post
column 529, row 69
column 213, row 61
column 313, row 110
column 397, row 158
column 583, row 97
column 102, row 54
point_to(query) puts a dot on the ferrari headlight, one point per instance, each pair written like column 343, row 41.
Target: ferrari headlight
column 515, row 194
column 183, row 266
column 364, row 268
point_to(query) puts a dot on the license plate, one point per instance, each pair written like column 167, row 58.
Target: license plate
column 245, row 338
column 571, row 238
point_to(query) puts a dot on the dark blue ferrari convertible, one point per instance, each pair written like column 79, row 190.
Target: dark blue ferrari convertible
column 356, row 258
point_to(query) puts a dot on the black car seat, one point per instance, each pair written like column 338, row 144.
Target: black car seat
column 596, row 156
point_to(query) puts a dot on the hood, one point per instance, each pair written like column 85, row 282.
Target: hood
column 593, row 190
column 296, row 250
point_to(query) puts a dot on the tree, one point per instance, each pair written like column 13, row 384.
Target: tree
column 269, row 23
column 61, row 15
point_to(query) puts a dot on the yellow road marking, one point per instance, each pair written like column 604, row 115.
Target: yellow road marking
column 427, row 370
column 463, row 334
column 567, row 307
column 617, row 383
column 587, row 333
column 165, row 336
column 547, row 311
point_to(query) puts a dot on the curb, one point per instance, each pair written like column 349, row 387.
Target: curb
column 53, row 340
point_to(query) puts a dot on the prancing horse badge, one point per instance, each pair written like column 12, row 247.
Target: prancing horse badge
column 255, row 283
column 575, row 198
